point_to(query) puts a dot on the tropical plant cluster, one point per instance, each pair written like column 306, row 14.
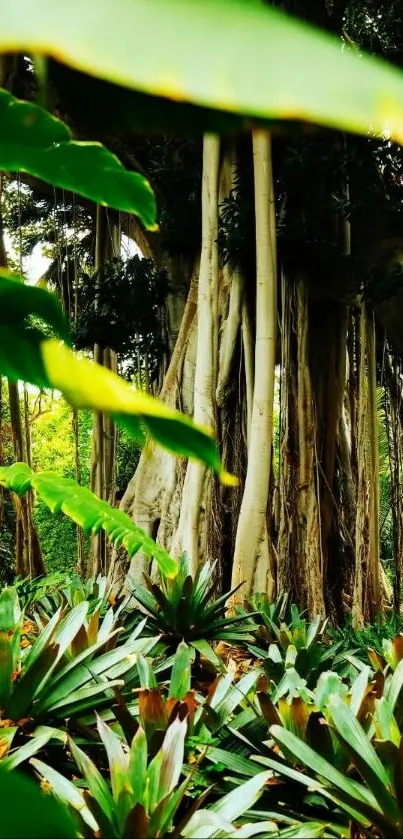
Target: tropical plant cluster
column 258, row 726
column 143, row 695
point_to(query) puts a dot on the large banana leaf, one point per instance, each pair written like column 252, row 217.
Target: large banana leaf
column 25, row 353
column 33, row 141
column 236, row 56
column 85, row 509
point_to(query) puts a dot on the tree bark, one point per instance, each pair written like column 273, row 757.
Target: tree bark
column 251, row 546
column 103, row 459
column 192, row 532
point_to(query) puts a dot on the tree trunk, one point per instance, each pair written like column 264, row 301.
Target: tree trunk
column 103, row 459
column 373, row 469
column 181, row 504
column 251, row 566
column 191, row 536
column 299, row 544
column 77, row 463
column 28, row 557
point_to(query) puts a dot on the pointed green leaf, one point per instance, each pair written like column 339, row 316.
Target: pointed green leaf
column 240, row 800
column 138, row 765
column 18, row 301
column 180, row 682
column 96, row 784
column 118, row 757
column 25, row 752
column 65, row 791
column 84, row 508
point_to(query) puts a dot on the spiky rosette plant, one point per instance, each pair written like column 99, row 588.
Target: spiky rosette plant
column 183, row 609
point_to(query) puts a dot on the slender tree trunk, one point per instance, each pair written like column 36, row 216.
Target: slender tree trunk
column 1, row 452
column 103, row 461
column 374, row 542
column 251, row 546
column 192, row 533
column 396, row 470
column 362, row 520
column 369, row 579
column 28, row 558
column 77, row 463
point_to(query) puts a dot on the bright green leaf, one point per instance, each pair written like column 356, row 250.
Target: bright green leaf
column 352, row 92
column 33, row 141
column 84, row 508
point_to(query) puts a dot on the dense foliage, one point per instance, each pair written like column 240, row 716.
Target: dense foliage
column 168, row 707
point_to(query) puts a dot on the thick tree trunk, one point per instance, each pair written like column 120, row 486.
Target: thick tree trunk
column 299, row 544
column 181, row 504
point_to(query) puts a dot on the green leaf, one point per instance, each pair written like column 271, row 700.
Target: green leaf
column 33, row 141
column 241, row 799
column 138, row 765
column 85, row 509
column 17, row 301
column 65, row 791
column 172, row 751
column 25, row 752
column 236, row 763
column 6, row 667
column 181, row 672
column 320, row 766
column 352, row 92
column 387, row 727
column 328, row 684
column 69, row 626
column 96, row 784
column 28, row 812
column 364, row 756
column 205, row 823
column 10, row 612
column 81, row 700
column 202, row 646
column 118, row 757
column 49, row 363
column 395, row 686
column 352, row 732
column 356, row 806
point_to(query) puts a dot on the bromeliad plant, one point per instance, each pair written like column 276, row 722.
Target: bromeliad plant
column 183, row 609
column 370, row 793
column 145, row 797
column 299, row 645
column 63, row 670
